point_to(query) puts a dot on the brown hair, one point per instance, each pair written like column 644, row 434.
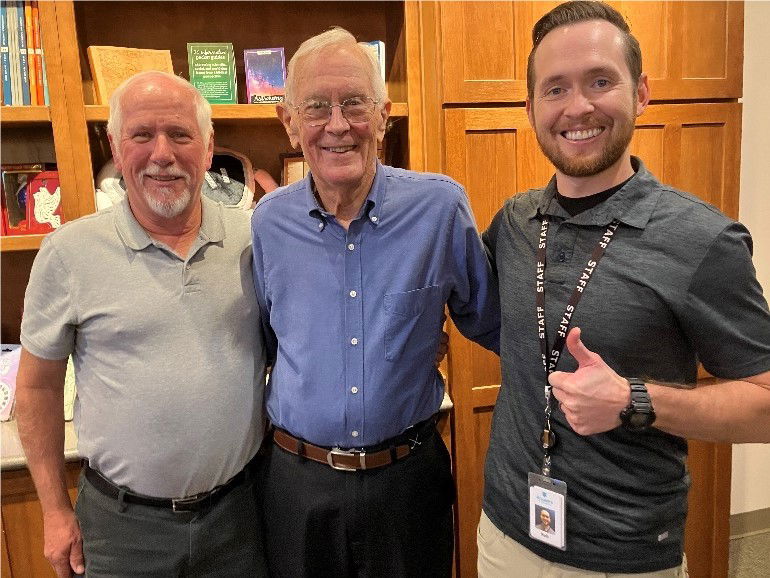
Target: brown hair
column 581, row 11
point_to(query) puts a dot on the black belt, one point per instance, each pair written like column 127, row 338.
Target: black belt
column 194, row 503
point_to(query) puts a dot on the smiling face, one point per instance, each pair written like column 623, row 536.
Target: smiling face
column 545, row 518
column 585, row 102
column 342, row 155
column 160, row 149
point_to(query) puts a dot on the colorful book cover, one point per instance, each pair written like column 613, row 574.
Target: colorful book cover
column 41, row 81
column 212, row 71
column 5, row 60
column 13, row 52
column 378, row 50
column 265, row 75
column 32, row 74
column 23, row 66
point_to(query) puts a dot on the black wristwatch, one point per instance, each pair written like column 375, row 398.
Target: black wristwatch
column 639, row 415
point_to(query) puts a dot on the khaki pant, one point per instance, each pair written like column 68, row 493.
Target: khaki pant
column 501, row 556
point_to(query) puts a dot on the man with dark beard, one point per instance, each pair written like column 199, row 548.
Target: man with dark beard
column 657, row 280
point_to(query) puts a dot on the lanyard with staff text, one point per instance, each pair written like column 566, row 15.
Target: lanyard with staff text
column 548, row 439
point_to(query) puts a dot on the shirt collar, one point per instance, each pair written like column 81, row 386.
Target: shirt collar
column 373, row 199
column 632, row 204
column 136, row 237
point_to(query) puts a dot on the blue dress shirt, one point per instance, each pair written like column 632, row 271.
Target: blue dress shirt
column 352, row 318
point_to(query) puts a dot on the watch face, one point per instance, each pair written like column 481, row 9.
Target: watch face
column 639, row 419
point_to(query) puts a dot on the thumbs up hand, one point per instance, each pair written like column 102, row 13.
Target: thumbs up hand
column 593, row 396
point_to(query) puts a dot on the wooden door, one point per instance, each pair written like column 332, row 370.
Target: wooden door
column 494, row 153
column 691, row 50
column 22, row 521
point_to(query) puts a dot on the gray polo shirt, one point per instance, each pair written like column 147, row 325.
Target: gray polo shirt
column 168, row 354
column 675, row 286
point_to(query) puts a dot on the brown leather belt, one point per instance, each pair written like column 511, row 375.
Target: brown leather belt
column 337, row 458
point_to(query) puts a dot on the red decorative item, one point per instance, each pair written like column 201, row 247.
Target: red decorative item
column 44, row 213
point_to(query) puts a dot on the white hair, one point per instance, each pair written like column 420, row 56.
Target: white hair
column 202, row 106
column 335, row 36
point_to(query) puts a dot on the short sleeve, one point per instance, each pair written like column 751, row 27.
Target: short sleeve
column 49, row 321
column 727, row 315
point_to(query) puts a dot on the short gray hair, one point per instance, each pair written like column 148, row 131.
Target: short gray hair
column 202, row 106
column 335, row 36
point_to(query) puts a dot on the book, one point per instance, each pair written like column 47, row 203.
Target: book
column 111, row 65
column 13, row 52
column 23, row 66
column 265, row 75
column 212, row 71
column 377, row 47
column 30, row 53
column 38, row 53
column 5, row 60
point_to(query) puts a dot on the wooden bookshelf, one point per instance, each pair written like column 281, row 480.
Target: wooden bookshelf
column 21, row 242
column 244, row 112
column 25, row 114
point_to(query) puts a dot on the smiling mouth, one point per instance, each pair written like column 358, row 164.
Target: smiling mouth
column 577, row 135
column 163, row 178
column 339, row 149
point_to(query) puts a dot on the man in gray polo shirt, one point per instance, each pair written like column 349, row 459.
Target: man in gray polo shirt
column 657, row 280
column 155, row 301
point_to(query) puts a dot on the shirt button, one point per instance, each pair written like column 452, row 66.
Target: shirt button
column 374, row 219
column 354, row 341
column 353, row 293
column 320, row 225
column 351, row 246
column 354, row 390
column 562, row 256
column 188, row 266
column 354, row 433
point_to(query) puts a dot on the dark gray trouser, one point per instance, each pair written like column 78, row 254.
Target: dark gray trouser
column 225, row 540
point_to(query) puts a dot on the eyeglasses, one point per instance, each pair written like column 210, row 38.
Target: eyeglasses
column 356, row 109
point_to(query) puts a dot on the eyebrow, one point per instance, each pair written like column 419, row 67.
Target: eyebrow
column 607, row 70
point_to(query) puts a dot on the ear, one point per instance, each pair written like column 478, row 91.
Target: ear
column 115, row 154
column 287, row 120
column 382, row 120
column 530, row 113
column 642, row 94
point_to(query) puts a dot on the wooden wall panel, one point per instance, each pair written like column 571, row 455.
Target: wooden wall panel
column 485, row 46
column 23, row 522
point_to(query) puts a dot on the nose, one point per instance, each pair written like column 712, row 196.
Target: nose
column 579, row 104
column 162, row 153
column 337, row 124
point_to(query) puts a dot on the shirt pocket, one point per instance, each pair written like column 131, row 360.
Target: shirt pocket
column 413, row 321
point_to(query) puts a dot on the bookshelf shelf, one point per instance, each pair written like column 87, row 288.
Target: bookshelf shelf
column 245, row 112
column 21, row 243
column 25, row 114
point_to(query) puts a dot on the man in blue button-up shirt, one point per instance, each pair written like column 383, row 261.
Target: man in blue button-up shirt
column 353, row 268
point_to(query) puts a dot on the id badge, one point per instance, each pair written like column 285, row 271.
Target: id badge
column 548, row 510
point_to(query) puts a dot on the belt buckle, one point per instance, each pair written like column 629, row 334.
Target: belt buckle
column 180, row 505
column 340, row 452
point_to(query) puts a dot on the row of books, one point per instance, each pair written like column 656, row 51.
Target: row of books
column 212, row 69
column 30, row 199
column 21, row 54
